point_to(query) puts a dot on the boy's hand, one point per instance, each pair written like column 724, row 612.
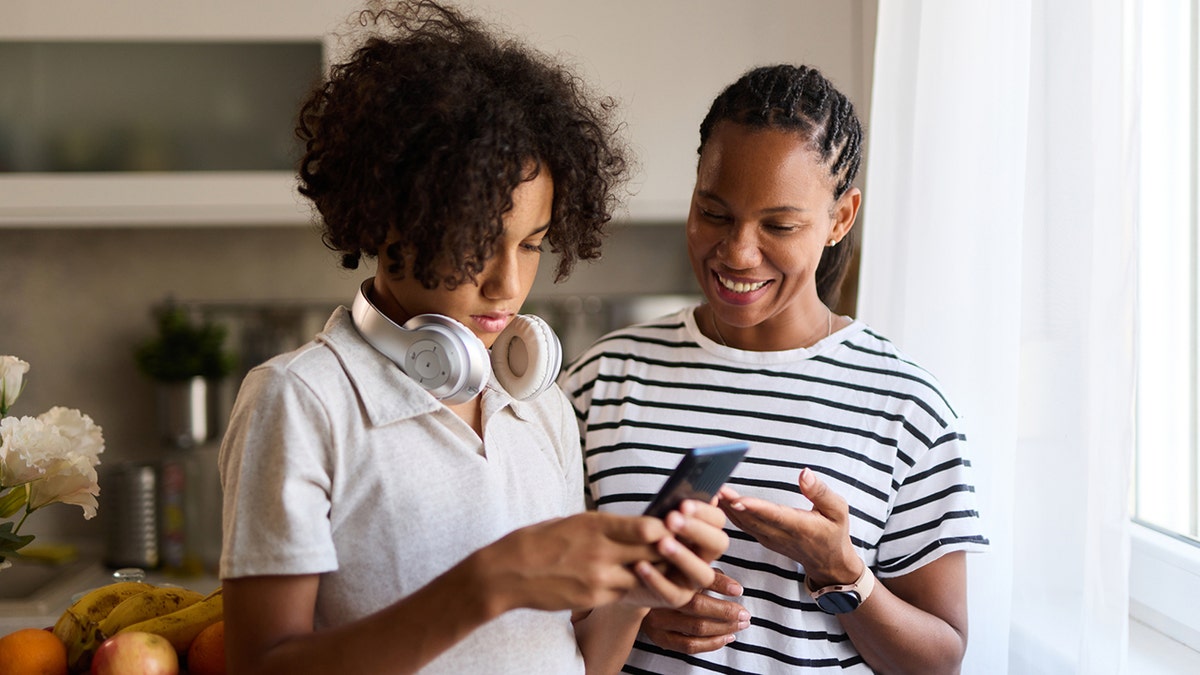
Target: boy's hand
column 577, row 562
column 696, row 539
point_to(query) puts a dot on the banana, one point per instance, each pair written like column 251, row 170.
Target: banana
column 137, row 608
column 78, row 625
column 183, row 625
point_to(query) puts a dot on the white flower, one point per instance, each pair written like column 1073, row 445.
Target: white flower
column 12, row 379
column 83, row 436
column 69, row 480
column 26, row 445
column 56, row 453
column 45, row 459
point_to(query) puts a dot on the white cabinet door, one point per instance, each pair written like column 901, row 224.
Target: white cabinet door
column 663, row 61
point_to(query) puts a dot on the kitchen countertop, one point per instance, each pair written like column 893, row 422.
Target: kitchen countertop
column 57, row 587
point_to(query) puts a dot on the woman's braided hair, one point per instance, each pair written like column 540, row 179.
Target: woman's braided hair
column 424, row 133
column 801, row 99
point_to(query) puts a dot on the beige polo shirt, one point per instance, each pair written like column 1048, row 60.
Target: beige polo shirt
column 336, row 463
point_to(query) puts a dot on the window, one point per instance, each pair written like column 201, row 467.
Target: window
column 1165, row 563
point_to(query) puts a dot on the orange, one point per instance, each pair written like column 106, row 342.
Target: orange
column 33, row 651
column 206, row 655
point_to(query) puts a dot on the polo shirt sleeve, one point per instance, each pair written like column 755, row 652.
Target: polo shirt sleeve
column 275, row 474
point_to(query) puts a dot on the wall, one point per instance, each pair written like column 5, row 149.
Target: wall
column 75, row 302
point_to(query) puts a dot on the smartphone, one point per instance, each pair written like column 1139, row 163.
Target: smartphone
column 700, row 473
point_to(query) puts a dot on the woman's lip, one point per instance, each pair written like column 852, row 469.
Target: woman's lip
column 738, row 298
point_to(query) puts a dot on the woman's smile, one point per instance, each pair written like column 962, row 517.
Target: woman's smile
column 739, row 291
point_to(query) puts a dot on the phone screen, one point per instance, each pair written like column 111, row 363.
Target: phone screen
column 700, row 473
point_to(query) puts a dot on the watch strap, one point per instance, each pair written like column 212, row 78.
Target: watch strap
column 862, row 587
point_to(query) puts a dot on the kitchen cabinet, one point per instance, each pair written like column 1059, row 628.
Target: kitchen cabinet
column 156, row 114
column 663, row 62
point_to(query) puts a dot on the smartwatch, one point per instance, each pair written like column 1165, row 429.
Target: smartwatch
column 842, row 598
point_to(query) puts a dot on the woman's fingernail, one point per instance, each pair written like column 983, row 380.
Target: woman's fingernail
column 730, row 638
column 743, row 620
column 669, row 545
column 737, row 506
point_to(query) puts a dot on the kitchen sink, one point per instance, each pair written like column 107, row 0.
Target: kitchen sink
column 33, row 594
column 27, row 579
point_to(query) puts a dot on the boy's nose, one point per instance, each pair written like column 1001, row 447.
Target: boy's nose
column 500, row 279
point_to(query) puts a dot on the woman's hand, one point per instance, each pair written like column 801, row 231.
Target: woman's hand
column 818, row 539
column 704, row 624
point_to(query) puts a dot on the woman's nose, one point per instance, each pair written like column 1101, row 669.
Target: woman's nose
column 739, row 248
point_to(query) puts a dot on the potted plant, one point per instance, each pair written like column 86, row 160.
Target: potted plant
column 186, row 359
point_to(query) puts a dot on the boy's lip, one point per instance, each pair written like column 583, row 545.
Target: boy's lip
column 492, row 322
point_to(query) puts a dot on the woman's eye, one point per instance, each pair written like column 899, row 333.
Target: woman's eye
column 779, row 227
column 713, row 215
column 535, row 246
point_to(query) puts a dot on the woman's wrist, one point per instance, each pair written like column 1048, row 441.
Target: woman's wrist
column 820, row 579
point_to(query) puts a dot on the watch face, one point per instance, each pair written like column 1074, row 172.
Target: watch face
column 839, row 602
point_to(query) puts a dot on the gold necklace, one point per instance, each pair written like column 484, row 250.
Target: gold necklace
column 712, row 315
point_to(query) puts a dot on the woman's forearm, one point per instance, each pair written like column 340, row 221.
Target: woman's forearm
column 896, row 637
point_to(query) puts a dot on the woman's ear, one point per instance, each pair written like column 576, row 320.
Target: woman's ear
column 845, row 211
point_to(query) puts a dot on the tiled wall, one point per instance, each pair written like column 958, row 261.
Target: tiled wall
column 75, row 302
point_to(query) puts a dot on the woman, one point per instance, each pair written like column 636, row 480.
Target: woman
column 376, row 521
column 857, row 468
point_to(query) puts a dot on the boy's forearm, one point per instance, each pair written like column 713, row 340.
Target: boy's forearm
column 606, row 635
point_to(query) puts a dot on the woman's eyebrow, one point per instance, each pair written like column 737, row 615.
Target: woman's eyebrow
column 769, row 210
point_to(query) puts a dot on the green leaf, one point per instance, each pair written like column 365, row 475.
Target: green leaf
column 13, row 501
column 10, row 542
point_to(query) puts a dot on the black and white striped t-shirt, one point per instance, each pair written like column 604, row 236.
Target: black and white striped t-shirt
column 870, row 423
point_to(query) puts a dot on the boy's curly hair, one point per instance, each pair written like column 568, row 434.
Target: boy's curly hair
column 424, row 133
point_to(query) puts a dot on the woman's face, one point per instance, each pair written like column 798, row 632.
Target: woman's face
column 487, row 306
column 762, row 213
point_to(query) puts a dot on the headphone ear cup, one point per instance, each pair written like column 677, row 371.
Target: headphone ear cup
column 526, row 357
column 437, row 352
column 445, row 358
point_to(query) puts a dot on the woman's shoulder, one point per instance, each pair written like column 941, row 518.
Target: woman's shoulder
column 876, row 361
column 660, row 334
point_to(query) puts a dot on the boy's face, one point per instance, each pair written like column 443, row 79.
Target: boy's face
column 488, row 305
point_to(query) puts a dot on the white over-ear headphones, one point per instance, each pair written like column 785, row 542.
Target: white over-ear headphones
column 446, row 358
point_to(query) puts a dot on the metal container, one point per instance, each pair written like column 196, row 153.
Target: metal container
column 187, row 412
column 131, row 509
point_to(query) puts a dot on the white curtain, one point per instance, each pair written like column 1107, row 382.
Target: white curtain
column 998, row 252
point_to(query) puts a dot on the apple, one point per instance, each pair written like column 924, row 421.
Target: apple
column 135, row 653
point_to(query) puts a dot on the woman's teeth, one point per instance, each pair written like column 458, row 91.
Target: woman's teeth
column 739, row 287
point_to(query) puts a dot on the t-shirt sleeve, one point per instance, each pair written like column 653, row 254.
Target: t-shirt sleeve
column 275, row 475
column 935, row 509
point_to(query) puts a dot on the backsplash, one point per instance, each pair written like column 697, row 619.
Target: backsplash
column 75, row 302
